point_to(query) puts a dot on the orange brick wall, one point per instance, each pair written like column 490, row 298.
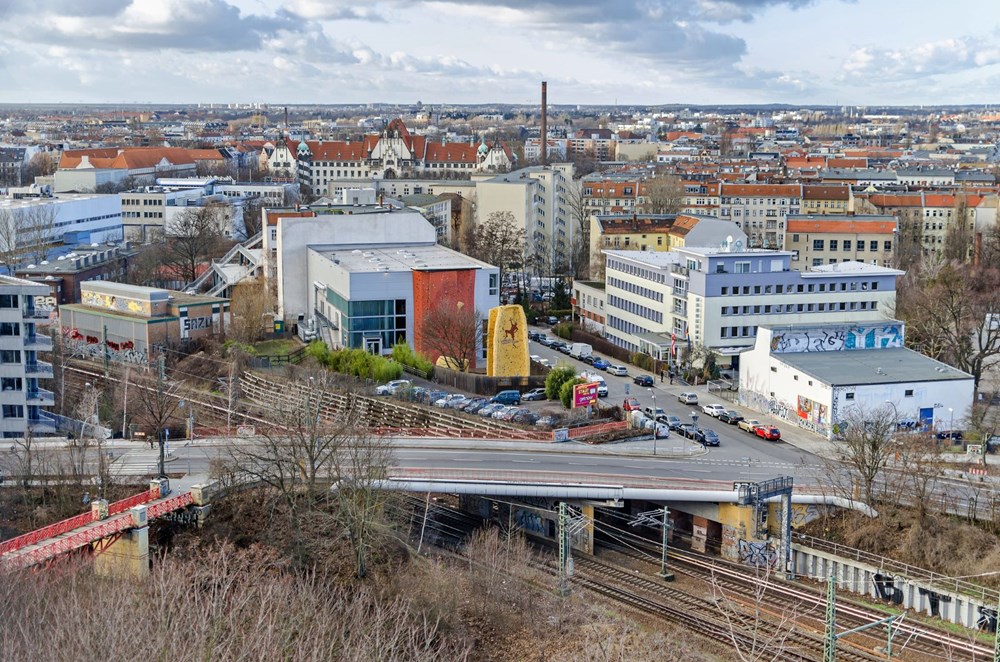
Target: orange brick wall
column 434, row 288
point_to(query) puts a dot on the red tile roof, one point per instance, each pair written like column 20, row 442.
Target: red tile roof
column 840, row 225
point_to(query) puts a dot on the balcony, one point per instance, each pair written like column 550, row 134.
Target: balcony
column 679, row 270
column 38, row 369
column 32, row 313
column 40, row 396
column 38, row 342
column 680, row 292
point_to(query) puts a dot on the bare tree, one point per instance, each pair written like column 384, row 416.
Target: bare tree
column 37, row 230
column 253, row 209
column 193, row 238
column 499, row 241
column 664, row 195
column 451, row 330
column 868, row 442
column 919, row 463
column 958, row 235
column 580, row 214
column 156, row 403
column 251, row 303
column 42, row 164
column 755, row 631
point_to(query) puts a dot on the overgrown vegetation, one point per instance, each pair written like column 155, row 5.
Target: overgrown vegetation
column 404, row 354
column 566, row 391
column 556, row 378
column 564, row 330
column 355, row 362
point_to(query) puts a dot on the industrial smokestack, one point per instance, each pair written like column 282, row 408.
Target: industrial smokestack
column 543, row 142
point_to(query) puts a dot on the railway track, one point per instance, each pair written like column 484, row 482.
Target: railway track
column 910, row 637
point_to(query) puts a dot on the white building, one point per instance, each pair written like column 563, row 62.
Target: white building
column 21, row 399
column 813, row 375
column 538, row 198
column 152, row 212
column 36, row 216
column 718, row 297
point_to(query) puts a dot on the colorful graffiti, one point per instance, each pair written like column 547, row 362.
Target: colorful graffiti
column 121, row 304
column 835, row 339
column 81, row 346
column 803, row 513
column 812, row 412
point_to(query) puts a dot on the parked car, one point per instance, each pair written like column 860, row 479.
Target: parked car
column 588, row 359
column 487, row 411
column 547, row 421
column 618, row 370
column 643, row 380
column 508, row 397
column 534, row 335
column 390, row 388
column 954, row 435
column 730, row 416
column 534, row 394
column 557, row 345
column 601, row 364
column 499, row 413
column 579, row 350
column 749, row 424
column 526, row 418
column 458, row 403
column 687, row 398
column 671, row 421
column 565, row 349
column 473, row 405
column 713, row 410
column 706, row 437
column 687, row 429
column 630, row 404
column 653, row 413
column 661, row 431
column 545, row 340
column 551, row 320
column 768, row 432
column 445, row 399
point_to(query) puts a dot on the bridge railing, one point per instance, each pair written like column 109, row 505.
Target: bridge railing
column 561, row 478
column 134, row 500
column 50, row 531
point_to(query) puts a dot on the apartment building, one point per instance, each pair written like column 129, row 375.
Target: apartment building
column 717, row 297
column 760, row 210
column 612, row 194
column 21, row 398
column 589, row 301
column 827, row 199
column 152, row 212
column 926, row 216
column 815, row 240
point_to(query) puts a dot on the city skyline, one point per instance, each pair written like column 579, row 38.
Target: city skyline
column 832, row 52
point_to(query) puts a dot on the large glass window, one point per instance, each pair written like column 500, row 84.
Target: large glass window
column 8, row 301
column 13, row 411
column 11, row 384
column 10, row 329
column 10, row 356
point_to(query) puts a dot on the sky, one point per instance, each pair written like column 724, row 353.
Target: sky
column 842, row 52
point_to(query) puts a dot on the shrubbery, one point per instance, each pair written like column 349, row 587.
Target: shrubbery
column 403, row 353
column 356, row 362
column 557, row 377
column 564, row 330
column 644, row 361
column 566, row 391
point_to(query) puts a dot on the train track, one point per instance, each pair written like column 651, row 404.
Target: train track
column 910, row 637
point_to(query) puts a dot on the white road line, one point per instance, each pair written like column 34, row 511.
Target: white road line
column 524, row 461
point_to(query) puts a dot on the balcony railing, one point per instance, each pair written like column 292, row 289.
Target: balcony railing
column 40, row 396
column 32, row 313
column 37, row 341
column 42, row 426
column 38, row 369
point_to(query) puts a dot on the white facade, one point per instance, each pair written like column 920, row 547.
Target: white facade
column 814, row 375
column 65, row 218
column 20, row 343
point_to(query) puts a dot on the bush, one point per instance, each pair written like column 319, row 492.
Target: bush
column 355, row 362
column 566, row 391
column 564, row 330
column 318, row 350
column 644, row 361
column 557, row 377
column 403, row 353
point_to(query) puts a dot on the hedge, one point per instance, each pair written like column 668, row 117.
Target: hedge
column 566, row 391
column 557, row 377
column 403, row 353
column 355, row 362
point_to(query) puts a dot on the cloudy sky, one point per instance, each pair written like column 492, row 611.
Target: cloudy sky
column 469, row 51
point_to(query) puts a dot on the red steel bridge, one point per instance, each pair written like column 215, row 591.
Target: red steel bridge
column 92, row 528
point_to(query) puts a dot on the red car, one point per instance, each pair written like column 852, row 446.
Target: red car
column 768, row 432
column 630, row 404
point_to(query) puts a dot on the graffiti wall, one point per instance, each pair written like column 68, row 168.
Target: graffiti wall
column 836, row 339
column 79, row 345
column 812, row 412
column 757, row 554
column 117, row 303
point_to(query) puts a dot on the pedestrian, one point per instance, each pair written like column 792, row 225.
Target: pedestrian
column 150, row 444
column 661, row 376
column 671, row 379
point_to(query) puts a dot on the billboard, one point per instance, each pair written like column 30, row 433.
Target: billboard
column 584, row 395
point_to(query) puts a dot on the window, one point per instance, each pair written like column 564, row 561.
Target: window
column 756, row 289
column 10, row 329
column 8, row 301
column 908, row 393
column 795, row 238
column 833, row 244
column 10, row 356
column 818, row 244
column 494, row 284
column 816, row 262
column 873, row 246
column 847, row 244
column 874, row 285
column 11, row 384
column 13, row 411
column 848, row 396
column 861, row 247
column 742, row 268
column 725, row 291
column 887, row 246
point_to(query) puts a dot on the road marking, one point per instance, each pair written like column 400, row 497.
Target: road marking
column 524, row 461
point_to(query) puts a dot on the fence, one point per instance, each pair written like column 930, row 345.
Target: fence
column 271, row 360
column 484, row 384
column 600, row 428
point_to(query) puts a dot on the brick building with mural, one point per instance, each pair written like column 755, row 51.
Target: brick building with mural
column 133, row 324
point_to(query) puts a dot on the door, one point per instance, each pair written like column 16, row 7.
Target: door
column 373, row 345
column 926, row 418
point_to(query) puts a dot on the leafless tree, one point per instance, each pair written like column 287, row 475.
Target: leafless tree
column 253, row 209
column 918, row 464
column 194, row 237
column 26, row 458
column 868, row 443
column 251, row 303
column 579, row 214
column 452, row 329
column 37, row 230
column 755, row 631
column 958, row 235
column 664, row 195
column 155, row 406
column 499, row 241
column 42, row 164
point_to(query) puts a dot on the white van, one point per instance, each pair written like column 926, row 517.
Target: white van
column 602, row 386
column 578, row 350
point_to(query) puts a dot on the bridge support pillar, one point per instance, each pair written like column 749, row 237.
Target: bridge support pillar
column 127, row 557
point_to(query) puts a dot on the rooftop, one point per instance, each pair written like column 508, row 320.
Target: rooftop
column 872, row 366
column 400, row 258
column 851, row 267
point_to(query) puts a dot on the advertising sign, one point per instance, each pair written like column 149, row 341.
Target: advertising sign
column 584, row 395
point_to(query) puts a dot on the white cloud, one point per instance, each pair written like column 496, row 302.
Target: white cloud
column 941, row 56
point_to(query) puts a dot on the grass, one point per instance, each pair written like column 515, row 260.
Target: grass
column 279, row 347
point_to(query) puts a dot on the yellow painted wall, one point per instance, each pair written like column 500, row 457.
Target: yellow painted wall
column 507, row 348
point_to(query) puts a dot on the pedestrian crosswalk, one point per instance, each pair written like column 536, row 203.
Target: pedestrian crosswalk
column 136, row 462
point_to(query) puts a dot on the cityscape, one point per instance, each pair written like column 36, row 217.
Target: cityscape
column 422, row 331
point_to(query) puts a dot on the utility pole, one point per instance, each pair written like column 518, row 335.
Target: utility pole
column 996, row 635
column 125, row 403
column 106, row 357
column 650, row 518
column 563, row 551
column 830, row 635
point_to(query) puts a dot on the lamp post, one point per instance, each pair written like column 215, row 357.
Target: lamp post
column 951, row 425
column 654, row 420
column 895, row 415
column 694, row 420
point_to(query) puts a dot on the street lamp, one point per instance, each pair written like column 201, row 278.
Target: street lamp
column 951, row 426
column 654, row 420
column 895, row 415
column 694, row 420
